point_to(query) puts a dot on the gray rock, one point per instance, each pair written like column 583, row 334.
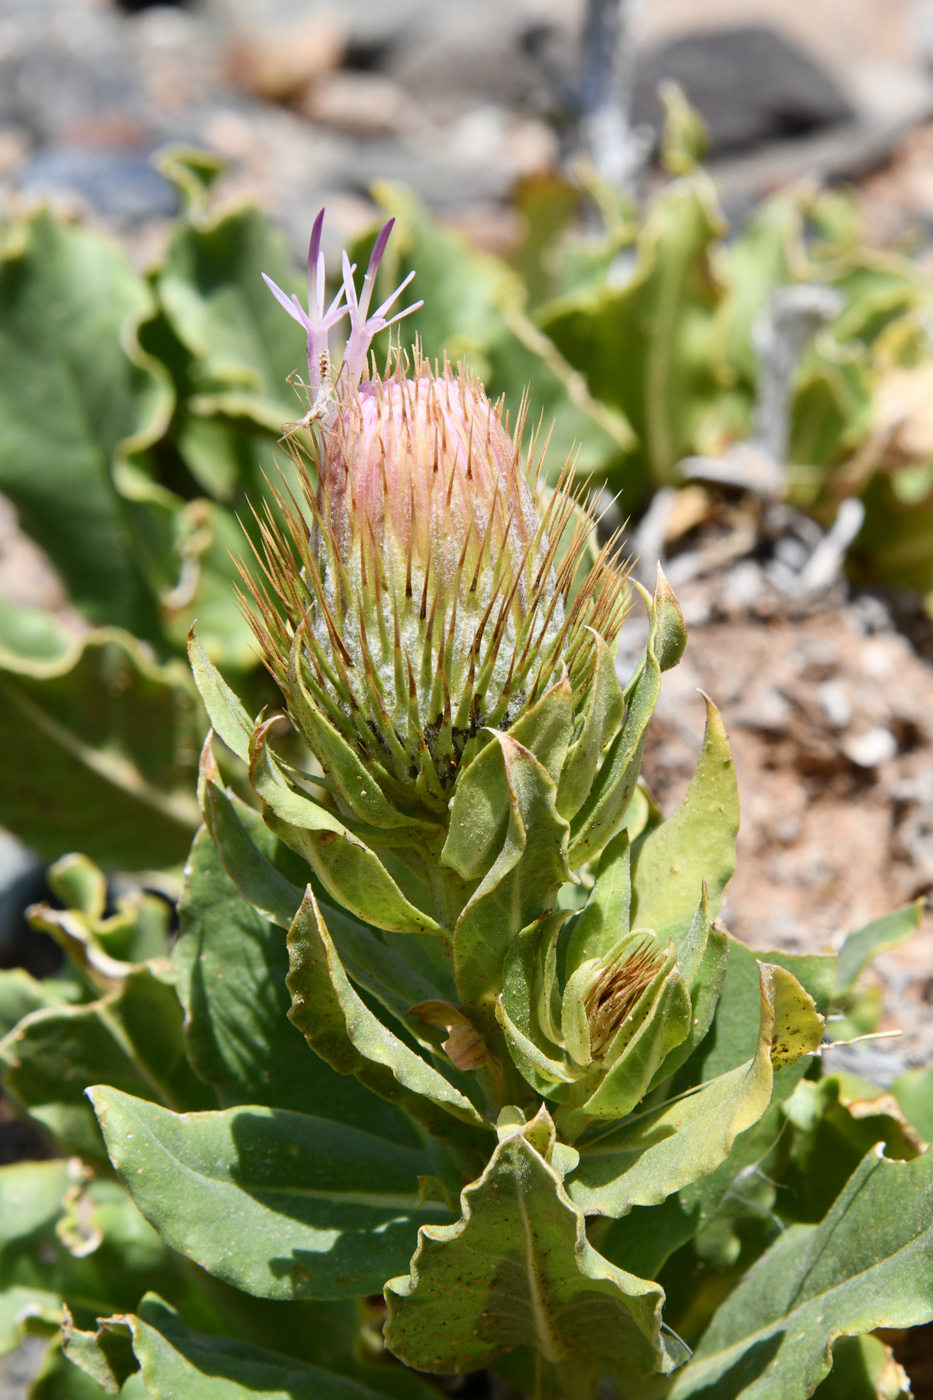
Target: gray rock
column 20, row 1368
column 22, row 881
column 372, row 24
column 119, row 184
column 64, row 66
column 487, row 51
column 750, row 83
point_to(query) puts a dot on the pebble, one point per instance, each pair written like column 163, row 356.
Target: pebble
column 871, row 748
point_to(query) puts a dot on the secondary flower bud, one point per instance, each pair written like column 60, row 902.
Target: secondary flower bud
column 416, row 596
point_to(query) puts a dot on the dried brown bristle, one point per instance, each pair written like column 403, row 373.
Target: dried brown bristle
column 617, row 991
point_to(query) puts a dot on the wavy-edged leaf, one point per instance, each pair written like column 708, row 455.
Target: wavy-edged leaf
column 100, row 756
column 695, row 844
column 398, row 975
column 132, row 1037
column 336, row 1230
column 175, row 1360
column 517, row 1270
column 347, row 868
column 66, row 1237
column 231, row 968
column 341, row 1029
column 504, row 830
column 74, row 403
column 868, row 1264
column 21, row 993
column 660, row 1152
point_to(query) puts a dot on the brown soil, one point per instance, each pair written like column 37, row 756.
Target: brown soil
column 831, row 720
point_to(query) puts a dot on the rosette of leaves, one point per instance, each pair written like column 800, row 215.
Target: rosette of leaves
column 449, row 1017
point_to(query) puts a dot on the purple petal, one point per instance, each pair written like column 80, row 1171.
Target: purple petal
column 293, row 308
column 375, row 259
column 349, row 286
column 399, row 315
column 397, row 293
column 314, row 251
column 379, row 247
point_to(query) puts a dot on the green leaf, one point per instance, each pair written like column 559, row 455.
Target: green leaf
column 340, row 1028
column 395, row 975
column 102, row 948
column 705, row 983
column 104, row 1356
column 914, row 1093
column 603, row 812
column 863, row 1369
column 59, row 1379
column 648, row 1236
column 504, row 830
column 207, row 1180
column 347, row 868
column 603, row 714
column 833, row 1122
column 21, row 993
column 528, row 1010
column 517, row 1270
column 659, row 324
column 860, row 947
column 74, row 404
column 211, row 289
column 604, row 919
column 66, row 1237
column 868, row 1264
column 250, row 869
column 695, row 844
column 231, row 968
column 176, row 1361
column 30, row 1203
column 223, row 706
column 661, row 1151
column 132, row 1037
column 101, row 755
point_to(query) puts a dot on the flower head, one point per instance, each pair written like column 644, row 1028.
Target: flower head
column 416, row 596
column 318, row 323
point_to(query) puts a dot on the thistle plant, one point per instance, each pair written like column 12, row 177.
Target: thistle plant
column 480, row 1046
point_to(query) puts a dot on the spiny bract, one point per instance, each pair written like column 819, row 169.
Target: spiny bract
column 415, row 595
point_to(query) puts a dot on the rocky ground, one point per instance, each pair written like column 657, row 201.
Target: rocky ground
column 830, row 715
